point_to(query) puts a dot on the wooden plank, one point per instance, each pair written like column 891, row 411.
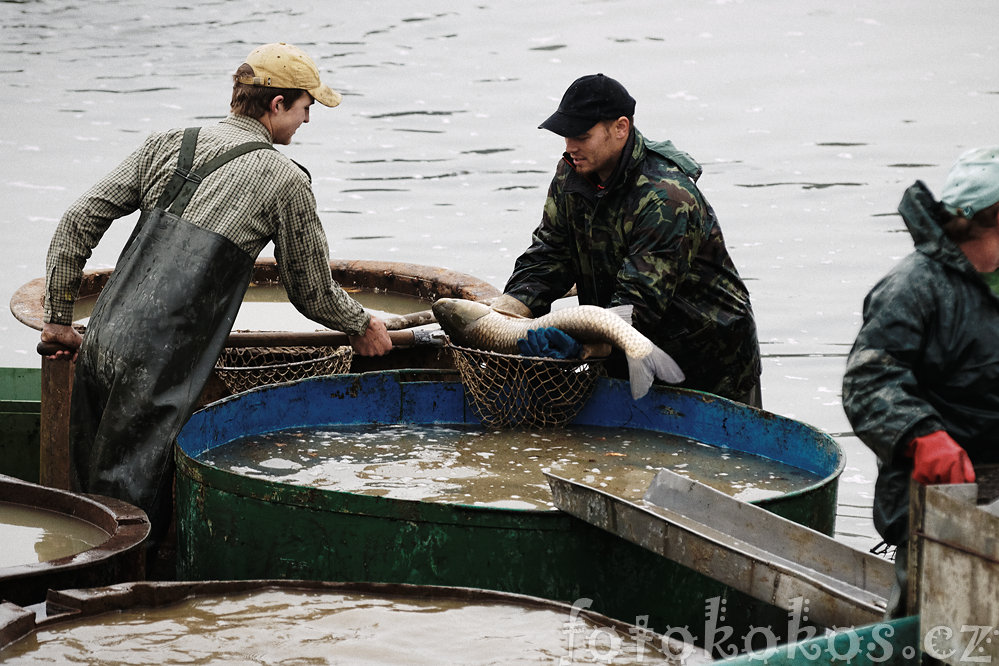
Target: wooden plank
column 958, row 575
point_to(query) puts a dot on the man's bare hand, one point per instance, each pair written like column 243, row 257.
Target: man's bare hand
column 374, row 342
column 64, row 339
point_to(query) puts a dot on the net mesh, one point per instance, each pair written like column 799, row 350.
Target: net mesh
column 243, row 368
column 524, row 391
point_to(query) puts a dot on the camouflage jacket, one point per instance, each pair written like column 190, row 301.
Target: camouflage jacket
column 926, row 358
column 649, row 239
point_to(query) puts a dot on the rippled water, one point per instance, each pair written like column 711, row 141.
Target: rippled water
column 304, row 627
column 453, row 464
column 810, row 119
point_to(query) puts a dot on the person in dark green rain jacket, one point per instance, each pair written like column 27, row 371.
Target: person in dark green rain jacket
column 921, row 386
column 626, row 224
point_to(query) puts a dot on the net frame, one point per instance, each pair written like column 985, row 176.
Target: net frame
column 244, row 368
column 511, row 391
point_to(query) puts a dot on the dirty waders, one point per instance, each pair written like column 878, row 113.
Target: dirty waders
column 157, row 328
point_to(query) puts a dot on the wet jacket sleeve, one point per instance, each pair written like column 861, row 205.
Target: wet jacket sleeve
column 881, row 392
column 302, row 254
column 80, row 230
column 544, row 273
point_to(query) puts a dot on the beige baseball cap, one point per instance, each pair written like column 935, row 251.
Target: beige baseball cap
column 281, row 65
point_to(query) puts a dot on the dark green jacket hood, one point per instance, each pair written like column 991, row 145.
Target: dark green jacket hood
column 923, row 217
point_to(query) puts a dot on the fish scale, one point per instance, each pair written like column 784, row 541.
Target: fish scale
column 586, row 323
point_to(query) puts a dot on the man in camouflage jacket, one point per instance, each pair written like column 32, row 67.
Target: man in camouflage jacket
column 921, row 387
column 625, row 222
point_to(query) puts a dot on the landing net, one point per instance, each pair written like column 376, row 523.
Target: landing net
column 243, row 368
column 507, row 390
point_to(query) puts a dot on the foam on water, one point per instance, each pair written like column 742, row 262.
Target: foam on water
column 460, row 464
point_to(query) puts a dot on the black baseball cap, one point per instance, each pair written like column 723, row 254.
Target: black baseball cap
column 589, row 100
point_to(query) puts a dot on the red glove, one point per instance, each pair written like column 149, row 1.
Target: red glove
column 937, row 458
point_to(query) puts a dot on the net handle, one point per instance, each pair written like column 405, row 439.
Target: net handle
column 404, row 338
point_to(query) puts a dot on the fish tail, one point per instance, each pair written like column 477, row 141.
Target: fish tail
column 642, row 371
column 625, row 312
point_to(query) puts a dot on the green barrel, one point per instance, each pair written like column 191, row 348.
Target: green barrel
column 235, row 526
column 20, row 422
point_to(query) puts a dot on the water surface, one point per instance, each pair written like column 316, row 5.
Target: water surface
column 266, row 307
column 31, row 534
column 302, row 627
column 810, row 119
column 457, row 464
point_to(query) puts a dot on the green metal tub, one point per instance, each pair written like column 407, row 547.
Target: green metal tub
column 235, row 526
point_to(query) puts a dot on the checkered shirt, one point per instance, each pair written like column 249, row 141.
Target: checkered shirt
column 254, row 199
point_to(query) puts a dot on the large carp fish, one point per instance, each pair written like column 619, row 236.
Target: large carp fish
column 476, row 325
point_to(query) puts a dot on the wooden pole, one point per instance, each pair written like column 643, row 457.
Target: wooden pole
column 53, row 455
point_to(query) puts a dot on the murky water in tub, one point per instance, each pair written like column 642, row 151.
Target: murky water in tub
column 461, row 464
column 266, row 308
column 31, row 535
column 307, row 627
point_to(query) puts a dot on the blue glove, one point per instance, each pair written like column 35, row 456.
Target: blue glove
column 550, row 342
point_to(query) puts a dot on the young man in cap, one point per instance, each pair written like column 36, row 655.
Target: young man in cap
column 625, row 222
column 211, row 199
column 921, row 387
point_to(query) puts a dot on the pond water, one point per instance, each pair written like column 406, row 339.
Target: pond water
column 810, row 119
column 266, row 308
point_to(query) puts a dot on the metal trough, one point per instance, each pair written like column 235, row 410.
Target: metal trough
column 757, row 552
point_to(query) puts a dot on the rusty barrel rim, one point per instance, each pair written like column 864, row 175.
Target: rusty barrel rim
column 426, row 282
column 116, row 558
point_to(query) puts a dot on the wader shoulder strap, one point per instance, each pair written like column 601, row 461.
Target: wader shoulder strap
column 185, row 182
column 184, row 163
